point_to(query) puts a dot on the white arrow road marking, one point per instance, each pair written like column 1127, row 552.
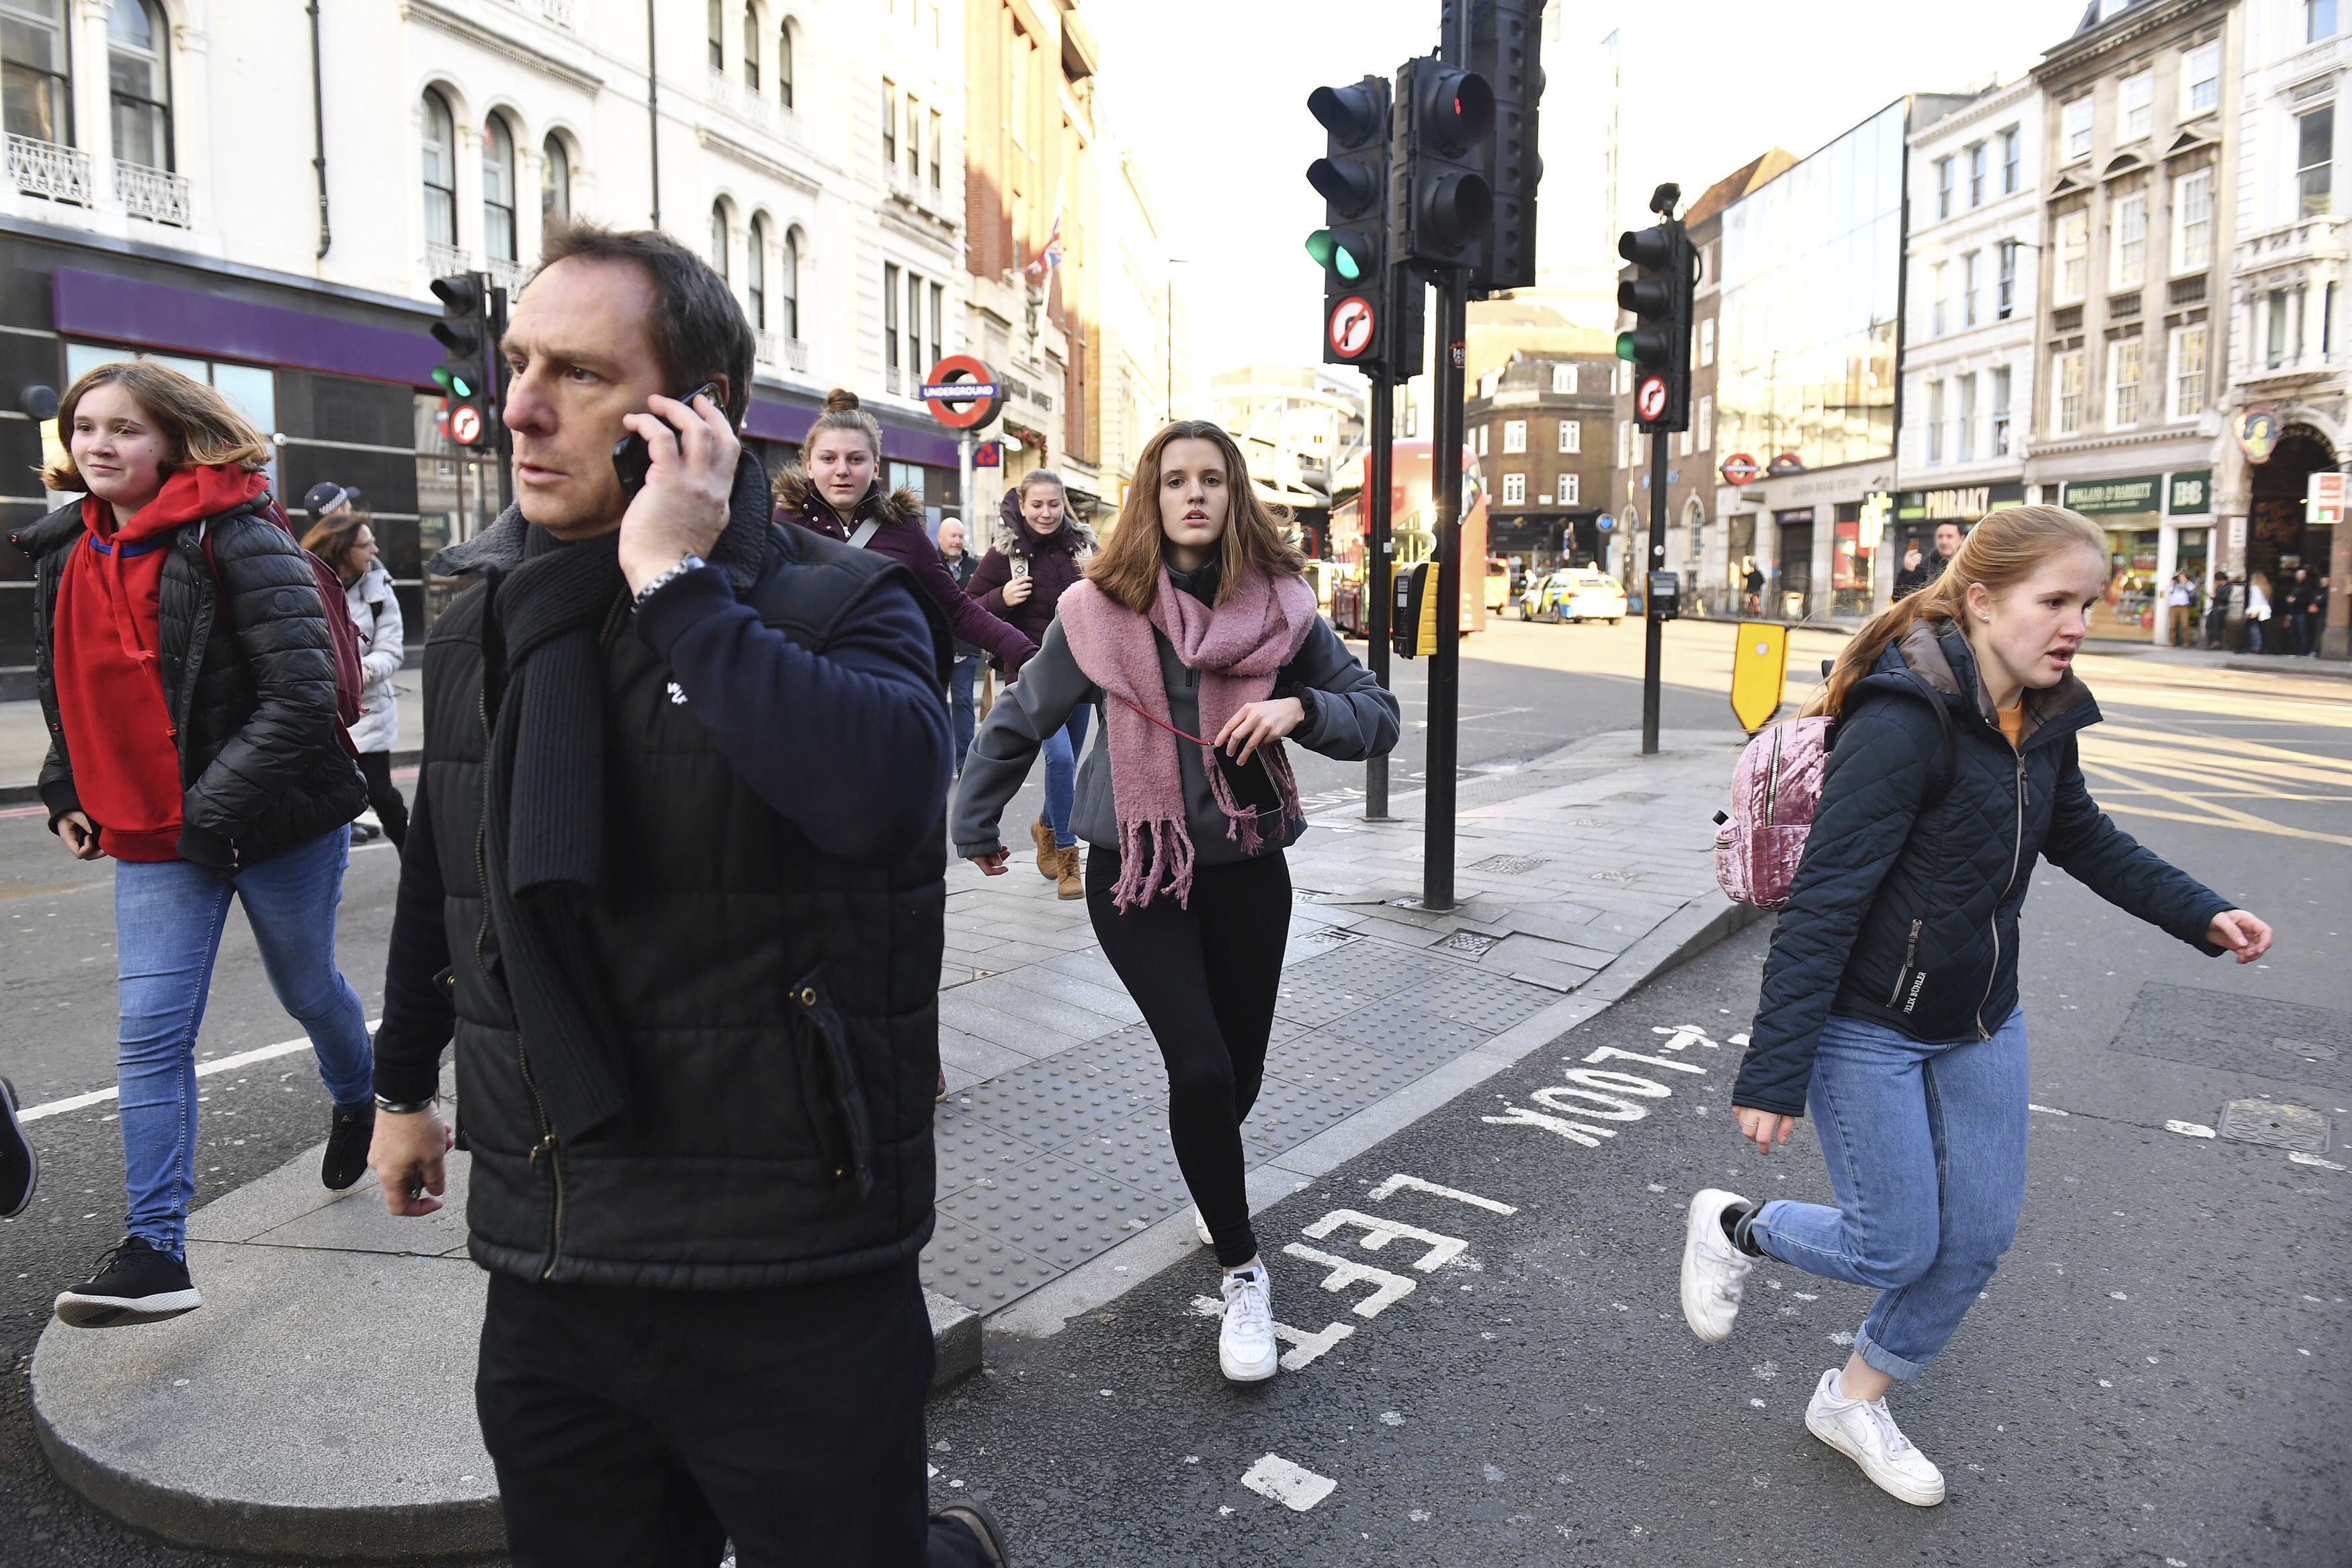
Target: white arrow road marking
column 2188, row 1129
column 1611, row 1053
column 1294, row 1487
column 1392, row 1288
column 203, row 1070
column 1401, row 1182
column 1379, row 1233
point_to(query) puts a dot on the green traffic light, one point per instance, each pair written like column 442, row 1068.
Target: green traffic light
column 1625, row 347
column 1329, row 253
column 458, row 386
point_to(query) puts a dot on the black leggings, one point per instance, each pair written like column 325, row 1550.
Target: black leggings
column 375, row 766
column 1206, row 979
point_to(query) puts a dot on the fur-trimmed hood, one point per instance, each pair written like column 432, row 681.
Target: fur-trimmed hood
column 797, row 498
column 1012, row 536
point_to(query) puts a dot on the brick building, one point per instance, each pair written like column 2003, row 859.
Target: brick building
column 1538, row 426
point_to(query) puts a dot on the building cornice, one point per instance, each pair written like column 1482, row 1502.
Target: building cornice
column 460, row 25
column 752, row 157
column 2087, row 52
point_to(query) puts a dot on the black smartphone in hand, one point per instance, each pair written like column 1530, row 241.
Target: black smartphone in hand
column 632, row 459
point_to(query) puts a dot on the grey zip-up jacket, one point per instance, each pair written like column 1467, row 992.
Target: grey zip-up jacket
column 1349, row 717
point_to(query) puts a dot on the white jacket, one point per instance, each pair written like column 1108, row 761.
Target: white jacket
column 375, row 611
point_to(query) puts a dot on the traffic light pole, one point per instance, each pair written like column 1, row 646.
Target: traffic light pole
column 1445, row 660
column 1653, row 629
column 493, row 377
column 1372, row 503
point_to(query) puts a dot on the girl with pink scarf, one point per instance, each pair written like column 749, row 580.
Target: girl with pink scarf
column 1195, row 639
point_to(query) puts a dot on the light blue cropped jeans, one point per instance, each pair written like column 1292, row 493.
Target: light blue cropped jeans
column 1926, row 1149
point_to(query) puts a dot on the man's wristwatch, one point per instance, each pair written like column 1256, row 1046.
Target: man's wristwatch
column 686, row 563
column 406, row 1107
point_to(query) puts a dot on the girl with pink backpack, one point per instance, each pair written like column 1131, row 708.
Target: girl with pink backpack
column 1942, row 751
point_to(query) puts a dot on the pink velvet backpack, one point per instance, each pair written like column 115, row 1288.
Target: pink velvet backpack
column 1759, row 840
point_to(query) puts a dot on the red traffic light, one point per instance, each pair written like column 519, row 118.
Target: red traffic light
column 1457, row 112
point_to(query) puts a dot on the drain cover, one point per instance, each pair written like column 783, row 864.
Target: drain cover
column 2280, row 1126
column 1470, row 941
column 2310, row 1051
column 1330, row 935
column 1510, row 865
column 1304, row 895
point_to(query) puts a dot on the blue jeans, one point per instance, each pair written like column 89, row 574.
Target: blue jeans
column 1925, row 1147
column 1062, row 748
column 167, row 929
column 960, row 701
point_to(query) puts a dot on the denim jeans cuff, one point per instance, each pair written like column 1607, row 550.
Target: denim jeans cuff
column 1877, row 1355
column 163, row 1237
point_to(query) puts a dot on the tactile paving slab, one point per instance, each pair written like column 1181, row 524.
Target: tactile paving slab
column 1407, row 1028
column 1348, row 1069
column 1045, row 1107
column 1486, row 1001
column 977, row 1269
column 967, row 1148
column 1287, row 1115
column 1322, row 990
column 1054, row 1210
column 1138, row 1154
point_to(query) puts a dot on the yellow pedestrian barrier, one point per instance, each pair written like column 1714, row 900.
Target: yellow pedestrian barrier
column 1759, row 673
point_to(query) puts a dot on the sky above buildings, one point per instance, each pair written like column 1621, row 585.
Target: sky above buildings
column 1212, row 97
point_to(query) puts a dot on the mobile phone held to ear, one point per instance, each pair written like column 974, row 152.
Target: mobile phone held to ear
column 632, row 459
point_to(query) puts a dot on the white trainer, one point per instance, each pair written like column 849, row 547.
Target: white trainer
column 1201, row 1228
column 1245, row 1347
column 1864, row 1432
column 1714, row 1271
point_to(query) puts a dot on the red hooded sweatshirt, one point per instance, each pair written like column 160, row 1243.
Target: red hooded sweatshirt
column 111, row 702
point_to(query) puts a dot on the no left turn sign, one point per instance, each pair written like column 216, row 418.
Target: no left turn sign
column 1650, row 400
column 1351, row 326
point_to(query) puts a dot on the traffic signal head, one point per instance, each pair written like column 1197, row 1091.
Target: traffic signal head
column 1505, row 51
column 1443, row 203
column 1351, row 248
column 1659, row 299
column 464, row 333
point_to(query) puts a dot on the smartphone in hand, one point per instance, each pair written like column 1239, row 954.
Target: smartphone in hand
column 632, row 459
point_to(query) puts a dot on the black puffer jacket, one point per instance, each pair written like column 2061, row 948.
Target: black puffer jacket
column 1905, row 909
column 251, row 693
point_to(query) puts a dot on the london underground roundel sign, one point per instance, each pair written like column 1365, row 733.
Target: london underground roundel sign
column 962, row 394
column 1740, row 468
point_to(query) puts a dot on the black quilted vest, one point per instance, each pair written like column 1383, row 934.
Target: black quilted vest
column 776, row 1007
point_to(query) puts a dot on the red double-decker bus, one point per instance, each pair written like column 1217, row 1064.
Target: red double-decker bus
column 1412, row 522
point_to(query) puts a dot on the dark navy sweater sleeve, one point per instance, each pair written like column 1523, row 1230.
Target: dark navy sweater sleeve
column 418, row 1016
column 851, row 744
column 2085, row 843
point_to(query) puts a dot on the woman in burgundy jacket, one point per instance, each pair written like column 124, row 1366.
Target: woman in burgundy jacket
column 1039, row 552
column 838, row 493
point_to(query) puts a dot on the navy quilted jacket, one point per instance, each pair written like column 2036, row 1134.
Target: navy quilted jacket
column 1905, row 907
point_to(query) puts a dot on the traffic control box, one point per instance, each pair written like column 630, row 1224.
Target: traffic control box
column 1666, row 595
column 1759, row 673
column 1412, row 611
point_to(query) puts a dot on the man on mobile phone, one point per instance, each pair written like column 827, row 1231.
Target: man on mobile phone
column 673, row 883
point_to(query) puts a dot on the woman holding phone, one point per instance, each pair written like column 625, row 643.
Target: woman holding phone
column 1890, row 1007
column 1196, row 641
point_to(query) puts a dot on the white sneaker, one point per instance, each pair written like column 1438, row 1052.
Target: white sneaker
column 1201, row 1228
column 1866, row 1433
column 1714, row 1271
column 1245, row 1347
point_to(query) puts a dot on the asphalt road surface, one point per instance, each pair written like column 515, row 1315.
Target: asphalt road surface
column 2245, row 778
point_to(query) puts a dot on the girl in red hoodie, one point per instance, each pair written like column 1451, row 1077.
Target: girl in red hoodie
column 186, row 675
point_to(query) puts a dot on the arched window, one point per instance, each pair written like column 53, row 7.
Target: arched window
column 752, row 49
column 784, row 65
column 788, row 286
column 498, row 189
column 32, row 87
column 755, row 274
column 440, row 165
column 719, row 238
column 718, row 35
column 554, row 182
column 141, row 83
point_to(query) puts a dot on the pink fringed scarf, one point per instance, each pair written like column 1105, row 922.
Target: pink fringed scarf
column 1237, row 647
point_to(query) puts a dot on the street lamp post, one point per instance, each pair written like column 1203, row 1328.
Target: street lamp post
column 1168, row 327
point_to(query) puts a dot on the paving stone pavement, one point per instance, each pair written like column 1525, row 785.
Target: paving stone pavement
column 1053, row 1142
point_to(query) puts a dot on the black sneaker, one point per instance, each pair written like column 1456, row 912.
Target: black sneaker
column 135, row 1284
column 20, row 1165
column 347, row 1145
column 984, row 1527
column 365, row 832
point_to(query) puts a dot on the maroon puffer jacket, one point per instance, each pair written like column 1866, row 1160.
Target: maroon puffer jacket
column 1054, row 562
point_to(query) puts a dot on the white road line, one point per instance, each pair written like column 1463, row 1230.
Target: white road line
column 1277, row 1480
column 2299, row 1157
column 203, row 1070
column 1401, row 1181
column 2047, row 1110
column 2188, row 1129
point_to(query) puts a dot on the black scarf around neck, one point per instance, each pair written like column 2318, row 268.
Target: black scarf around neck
column 543, row 819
